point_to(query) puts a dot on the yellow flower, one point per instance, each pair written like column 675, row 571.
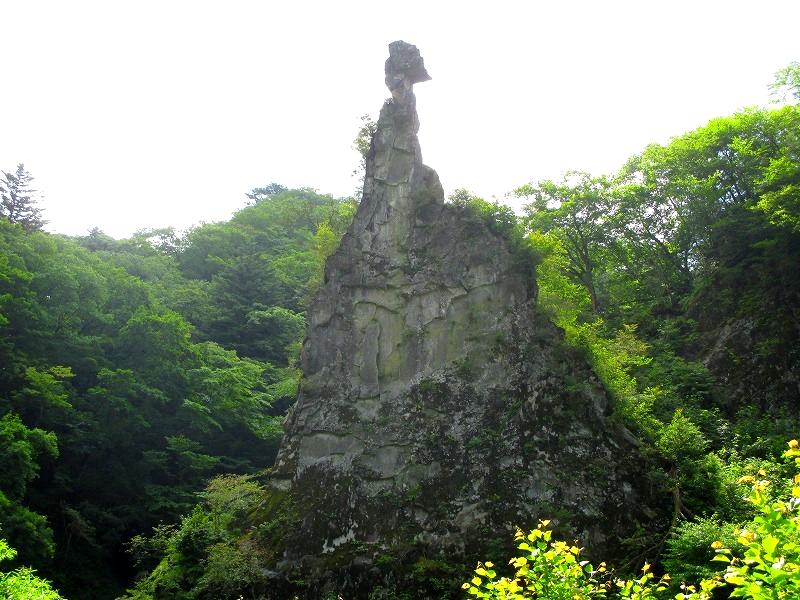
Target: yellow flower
column 717, row 545
column 793, row 444
column 489, row 564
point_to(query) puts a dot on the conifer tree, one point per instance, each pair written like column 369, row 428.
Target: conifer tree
column 18, row 200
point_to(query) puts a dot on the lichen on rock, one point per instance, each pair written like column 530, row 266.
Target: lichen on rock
column 438, row 409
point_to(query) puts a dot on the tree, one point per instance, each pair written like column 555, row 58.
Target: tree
column 362, row 144
column 18, row 200
column 787, row 83
column 22, row 449
column 577, row 212
column 164, row 240
column 258, row 194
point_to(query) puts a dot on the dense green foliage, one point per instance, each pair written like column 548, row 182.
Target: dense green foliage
column 22, row 583
column 679, row 278
column 135, row 370
column 209, row 554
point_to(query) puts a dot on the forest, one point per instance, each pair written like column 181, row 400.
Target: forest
column 143, row 381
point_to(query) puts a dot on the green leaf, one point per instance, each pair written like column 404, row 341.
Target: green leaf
column 770, row 543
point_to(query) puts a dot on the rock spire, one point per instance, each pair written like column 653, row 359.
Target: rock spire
column 438, row 409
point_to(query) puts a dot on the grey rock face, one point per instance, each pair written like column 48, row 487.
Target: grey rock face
column 411, row 290
column 437, row 407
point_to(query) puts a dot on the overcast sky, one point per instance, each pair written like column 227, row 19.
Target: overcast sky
column 150, row 114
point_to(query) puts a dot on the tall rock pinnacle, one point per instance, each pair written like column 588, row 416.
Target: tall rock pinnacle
column 438, row 408
column 412, row 288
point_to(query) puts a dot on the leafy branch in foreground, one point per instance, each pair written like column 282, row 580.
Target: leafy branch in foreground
column 23, row 583
column 770, row 566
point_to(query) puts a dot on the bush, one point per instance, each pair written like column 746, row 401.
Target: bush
column 23, row 583
column 554, row 570
column 209, row 554
column 770, row 565
column 689, row 551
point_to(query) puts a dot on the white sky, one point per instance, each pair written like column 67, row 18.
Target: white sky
column 155, row 113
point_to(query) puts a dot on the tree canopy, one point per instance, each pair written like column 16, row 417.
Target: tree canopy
column 134, row 370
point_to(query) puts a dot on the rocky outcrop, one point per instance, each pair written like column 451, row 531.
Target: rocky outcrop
column 413, row 288
column 438, row 409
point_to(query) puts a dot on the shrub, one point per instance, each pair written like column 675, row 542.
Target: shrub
column 765, row 565
column 23, row 583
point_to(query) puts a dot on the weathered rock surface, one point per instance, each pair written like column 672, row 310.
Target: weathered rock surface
column 438, row 409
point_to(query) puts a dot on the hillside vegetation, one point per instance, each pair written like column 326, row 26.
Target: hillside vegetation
column 133, row 371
